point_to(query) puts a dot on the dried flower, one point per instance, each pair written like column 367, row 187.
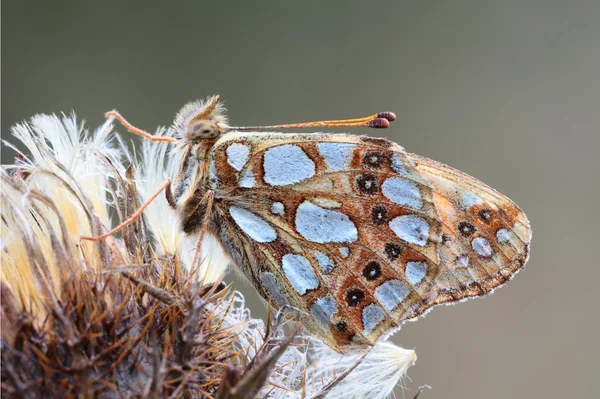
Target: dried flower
column 120, row 317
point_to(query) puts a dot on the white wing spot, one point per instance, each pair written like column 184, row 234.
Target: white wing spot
column 247, row 180
column 324, row 261
column 323, row 309
column 462, row 261
column 397, row 165
column 391, row 294
column 337, row 155
column 372, row 315
column 469, row 199
column 321, row 225
column 300, row 273
column 237, row 156
column 415, row 272
column 482, row 247
column 345, row 252
column 254, row 226
column 503, row 235
column 287, row 164
column 402, row 191
column 277, row 208
column 411, row 228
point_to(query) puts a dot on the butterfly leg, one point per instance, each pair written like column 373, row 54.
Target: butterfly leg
column 115, row 114
column 184, row 175
column 171, row 200
column 135, row 216
column 209, row 197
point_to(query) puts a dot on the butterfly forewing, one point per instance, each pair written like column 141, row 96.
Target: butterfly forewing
column 356, row 233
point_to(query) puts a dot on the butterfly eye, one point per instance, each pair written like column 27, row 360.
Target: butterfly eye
column 202, row 129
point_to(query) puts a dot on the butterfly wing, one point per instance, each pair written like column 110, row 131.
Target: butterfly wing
column 494, row 231
column 355, row 232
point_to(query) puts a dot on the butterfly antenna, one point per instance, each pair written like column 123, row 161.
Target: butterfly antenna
column 377, row 121
column 115, row 114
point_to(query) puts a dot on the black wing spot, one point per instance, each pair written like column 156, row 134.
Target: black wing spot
column 341, row 326
column 354, row 297
column 393, row 251
column 485, row 215
column 373, row 159
column 379, row 214
column 466, row 229
column 445, row 239
column 367, row 184
column 372, row 271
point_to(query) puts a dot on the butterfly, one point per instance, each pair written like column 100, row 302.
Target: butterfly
column 356, row 233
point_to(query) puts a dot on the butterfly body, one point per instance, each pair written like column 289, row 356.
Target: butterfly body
column 353, row 231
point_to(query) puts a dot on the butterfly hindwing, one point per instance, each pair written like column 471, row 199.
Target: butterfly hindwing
column 355, row 232
column 496, row 232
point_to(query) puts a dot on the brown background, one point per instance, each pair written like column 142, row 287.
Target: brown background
column 506, row 91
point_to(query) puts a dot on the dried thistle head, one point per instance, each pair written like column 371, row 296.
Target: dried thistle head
column 123, row 316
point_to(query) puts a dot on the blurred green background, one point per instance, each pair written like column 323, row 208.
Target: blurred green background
column 506, row 91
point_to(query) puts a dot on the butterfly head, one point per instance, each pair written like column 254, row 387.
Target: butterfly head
column 201, row 130
column 200, row 120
